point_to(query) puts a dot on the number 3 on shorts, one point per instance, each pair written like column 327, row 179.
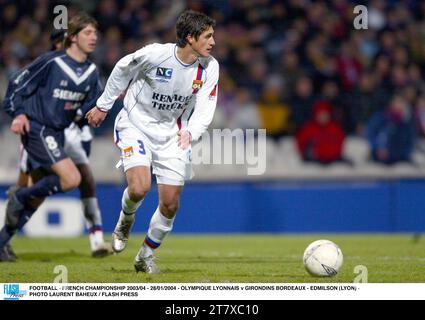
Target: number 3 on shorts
column 141, row 147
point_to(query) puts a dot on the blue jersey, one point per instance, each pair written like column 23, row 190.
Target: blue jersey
column 54, row 90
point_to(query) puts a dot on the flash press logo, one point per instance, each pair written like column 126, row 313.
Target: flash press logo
column 11, row 292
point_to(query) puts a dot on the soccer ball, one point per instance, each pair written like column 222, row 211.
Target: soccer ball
column 323, row 258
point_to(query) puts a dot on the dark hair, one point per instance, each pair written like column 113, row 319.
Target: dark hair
column 192, row 23
column 76, row 24
column 57, row 37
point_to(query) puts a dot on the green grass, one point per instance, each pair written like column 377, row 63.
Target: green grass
column 239, row 258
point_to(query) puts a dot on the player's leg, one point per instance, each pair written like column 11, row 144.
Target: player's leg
column 92, row 212
column 64, row 177
column 80, row 156
column 45, row 148
column 139, row 182
column 136, row 159
column 160, row 226
column 172, row 166
column 23, row 180
column 12, row 225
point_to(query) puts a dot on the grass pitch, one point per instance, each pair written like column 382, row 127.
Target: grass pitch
column 236, row 258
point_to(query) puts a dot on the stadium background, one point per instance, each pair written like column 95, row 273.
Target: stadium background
column 278, row 59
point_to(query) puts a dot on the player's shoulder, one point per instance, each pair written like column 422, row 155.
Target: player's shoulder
column 209, row 63
column 48, row 57
column 154, row 49
column 91, row 64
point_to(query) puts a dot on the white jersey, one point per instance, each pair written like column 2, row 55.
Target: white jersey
column 164, row 94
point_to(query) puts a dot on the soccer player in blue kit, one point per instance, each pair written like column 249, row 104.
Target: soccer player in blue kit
column 43, row 100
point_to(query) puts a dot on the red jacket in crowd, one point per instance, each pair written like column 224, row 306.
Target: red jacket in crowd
column 321, row 139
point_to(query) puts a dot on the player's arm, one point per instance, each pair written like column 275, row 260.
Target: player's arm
column 22, row 86
column 82, row 123
column 122, row 74
column 13, row 106
column 89, row 109
column 204, row 109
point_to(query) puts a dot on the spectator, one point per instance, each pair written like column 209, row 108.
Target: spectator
column 321, row 139
column 257, row 39
column 301, row 101
column 245, row 114
column 391, row 133
column 364, row 102
column 274, row 114
column 419, row 113
column 349, row 68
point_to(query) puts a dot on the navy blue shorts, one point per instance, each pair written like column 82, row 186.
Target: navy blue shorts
column 44, row 145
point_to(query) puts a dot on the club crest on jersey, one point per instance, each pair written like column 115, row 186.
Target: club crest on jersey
column 127, row 152
column 164, row 73
column 196, row 85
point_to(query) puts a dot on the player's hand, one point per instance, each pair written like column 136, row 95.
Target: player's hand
column 95, row 117
column 20, row 125
column 184, row 139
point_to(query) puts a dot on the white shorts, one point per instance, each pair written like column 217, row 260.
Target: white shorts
column 73, row 146
column 170, row 164
column 73, row 149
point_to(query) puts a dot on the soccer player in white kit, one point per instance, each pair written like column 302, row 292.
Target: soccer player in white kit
column 170, row 102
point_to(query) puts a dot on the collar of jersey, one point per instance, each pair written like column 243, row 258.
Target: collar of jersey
column 179, row 61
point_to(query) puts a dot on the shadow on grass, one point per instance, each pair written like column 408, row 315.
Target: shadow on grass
column 48, row 257
column 228, row 260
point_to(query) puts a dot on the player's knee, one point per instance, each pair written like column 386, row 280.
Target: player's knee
column 71, row 181
column 169, row 208
column 138, row 193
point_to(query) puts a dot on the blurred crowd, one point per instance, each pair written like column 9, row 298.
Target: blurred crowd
column 295, row 67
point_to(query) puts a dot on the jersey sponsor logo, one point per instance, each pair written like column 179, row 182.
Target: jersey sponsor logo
column 71, row 105
column 68, row 95
column 127, row 152
column 169, row 102
column 165, row 73
column 64, row 83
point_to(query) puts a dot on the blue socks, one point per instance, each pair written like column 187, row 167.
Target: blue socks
column 45, row 187
column 7, row 232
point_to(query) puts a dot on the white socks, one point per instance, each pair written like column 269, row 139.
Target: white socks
column 129, row 206
column 159, row 227
column 93, row 222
